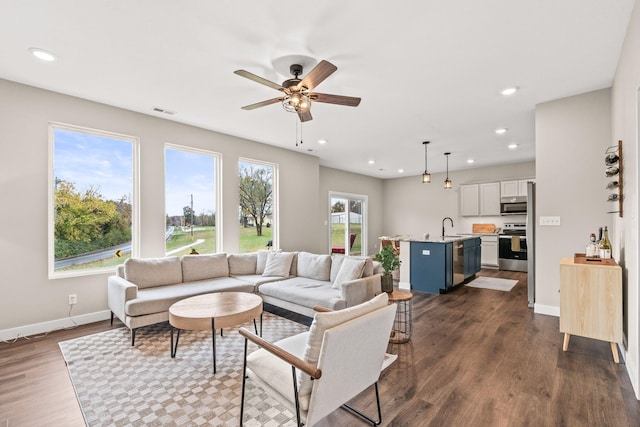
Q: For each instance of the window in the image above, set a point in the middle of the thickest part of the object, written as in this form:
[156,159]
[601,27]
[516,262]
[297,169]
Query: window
[347,216]
[258,201]
[92,200]
[191,196]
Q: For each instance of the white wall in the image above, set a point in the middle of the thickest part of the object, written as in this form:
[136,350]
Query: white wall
[351,183]
[625,106]
[29,298]
[572,135]
[414,208]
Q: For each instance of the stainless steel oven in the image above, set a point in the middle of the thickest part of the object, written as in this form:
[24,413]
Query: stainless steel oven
[512,248]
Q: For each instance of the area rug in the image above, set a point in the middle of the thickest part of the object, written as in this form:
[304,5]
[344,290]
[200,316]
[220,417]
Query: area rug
[120,385]
[494,283]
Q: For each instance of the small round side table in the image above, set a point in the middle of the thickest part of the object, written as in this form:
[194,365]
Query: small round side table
[403,323]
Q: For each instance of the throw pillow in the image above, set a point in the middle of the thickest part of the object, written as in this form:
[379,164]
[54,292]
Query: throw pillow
[322,322]
[351,269]
[242,263]
[150,272]
[314,266]
[278,264]
[202,267]
[262,260]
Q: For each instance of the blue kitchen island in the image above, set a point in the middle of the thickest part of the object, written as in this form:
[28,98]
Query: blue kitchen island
[437,266]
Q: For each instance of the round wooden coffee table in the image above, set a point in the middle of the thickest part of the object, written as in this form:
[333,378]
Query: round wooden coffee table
[216,310]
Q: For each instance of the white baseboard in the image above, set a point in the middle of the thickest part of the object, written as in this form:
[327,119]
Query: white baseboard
[632,371]
[53,325]
[549,310]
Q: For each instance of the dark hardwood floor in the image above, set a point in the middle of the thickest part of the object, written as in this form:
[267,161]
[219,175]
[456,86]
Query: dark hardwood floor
[477,358]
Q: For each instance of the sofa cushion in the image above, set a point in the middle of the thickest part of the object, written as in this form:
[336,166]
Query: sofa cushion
[278,264]
[314,266]
[257,279]
[261,261]
[242,263]
[158,299]
[304,292]
[322,322]
[150,272]
[200,267]
[350,269]
[336,263]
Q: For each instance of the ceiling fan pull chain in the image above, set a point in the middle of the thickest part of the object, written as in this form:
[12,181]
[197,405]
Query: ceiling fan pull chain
[298,123]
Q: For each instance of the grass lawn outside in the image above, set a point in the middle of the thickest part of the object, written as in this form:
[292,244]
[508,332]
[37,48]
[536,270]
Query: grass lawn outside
[337,237]
[249,242]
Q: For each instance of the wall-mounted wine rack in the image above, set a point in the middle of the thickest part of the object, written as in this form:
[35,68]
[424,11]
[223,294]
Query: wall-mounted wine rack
[613,162]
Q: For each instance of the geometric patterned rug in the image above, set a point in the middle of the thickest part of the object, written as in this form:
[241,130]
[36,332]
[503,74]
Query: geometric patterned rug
[120,385]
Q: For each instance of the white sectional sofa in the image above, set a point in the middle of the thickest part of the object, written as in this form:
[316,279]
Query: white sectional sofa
[142,290]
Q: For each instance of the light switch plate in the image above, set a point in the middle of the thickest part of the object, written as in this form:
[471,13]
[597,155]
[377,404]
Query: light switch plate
[550,220]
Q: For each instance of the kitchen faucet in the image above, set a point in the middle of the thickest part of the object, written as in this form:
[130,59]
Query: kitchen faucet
[443,220]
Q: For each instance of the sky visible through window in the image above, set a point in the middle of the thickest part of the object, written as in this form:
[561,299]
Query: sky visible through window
[188,173]
[88,160]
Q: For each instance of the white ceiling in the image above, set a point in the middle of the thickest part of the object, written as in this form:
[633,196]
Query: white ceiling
[425,69]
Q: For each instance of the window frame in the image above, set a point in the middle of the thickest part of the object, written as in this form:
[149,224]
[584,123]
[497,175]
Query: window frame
[135,196]
[275,215]
[217,173]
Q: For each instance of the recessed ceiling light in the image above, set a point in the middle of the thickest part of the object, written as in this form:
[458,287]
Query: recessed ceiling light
[322,141]
[400,170]
[470,160]
[42,54]
[512,146]
[509,91]
[501,131]
[371,162]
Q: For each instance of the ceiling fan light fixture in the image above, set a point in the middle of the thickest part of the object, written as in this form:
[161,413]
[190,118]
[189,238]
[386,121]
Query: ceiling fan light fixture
[296,103]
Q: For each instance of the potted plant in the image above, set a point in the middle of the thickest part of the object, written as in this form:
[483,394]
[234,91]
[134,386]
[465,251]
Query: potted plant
[389,260]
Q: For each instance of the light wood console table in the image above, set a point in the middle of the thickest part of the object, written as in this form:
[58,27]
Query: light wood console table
[591,302]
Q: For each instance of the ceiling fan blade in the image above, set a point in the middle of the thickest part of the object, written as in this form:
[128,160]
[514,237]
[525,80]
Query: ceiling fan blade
[258,79]
[349,101]
[262,104]
[316,76]
[305,117]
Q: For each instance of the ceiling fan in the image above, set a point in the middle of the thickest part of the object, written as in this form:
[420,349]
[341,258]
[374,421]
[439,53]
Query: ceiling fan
[297,93]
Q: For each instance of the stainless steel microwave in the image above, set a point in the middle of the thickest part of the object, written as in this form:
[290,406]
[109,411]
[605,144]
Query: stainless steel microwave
[513,205]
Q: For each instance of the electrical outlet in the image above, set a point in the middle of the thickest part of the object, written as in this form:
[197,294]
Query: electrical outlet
[549,220]
[73,299]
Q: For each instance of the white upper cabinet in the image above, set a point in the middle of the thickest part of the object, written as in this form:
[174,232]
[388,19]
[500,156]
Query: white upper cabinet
[480,199]
[469,200]
[490,199]
[514,188]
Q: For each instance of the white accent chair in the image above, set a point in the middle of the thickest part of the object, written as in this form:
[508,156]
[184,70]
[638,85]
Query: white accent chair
[316,372]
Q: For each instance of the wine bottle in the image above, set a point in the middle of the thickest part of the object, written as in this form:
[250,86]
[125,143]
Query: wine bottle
[612,197]
[605,245]
[611,159]
[612,184]
[612,171]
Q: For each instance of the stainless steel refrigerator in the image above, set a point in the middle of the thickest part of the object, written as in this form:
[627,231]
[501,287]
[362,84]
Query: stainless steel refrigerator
[531,242]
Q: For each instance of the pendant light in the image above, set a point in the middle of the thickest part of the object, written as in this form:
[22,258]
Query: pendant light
[426,176]
[447,182]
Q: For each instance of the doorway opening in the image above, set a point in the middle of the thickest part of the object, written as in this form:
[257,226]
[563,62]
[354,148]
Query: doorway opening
[347,220]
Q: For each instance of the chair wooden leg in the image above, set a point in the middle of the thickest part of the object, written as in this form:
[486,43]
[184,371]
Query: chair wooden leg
[133,337]
[363,416]
[112,318]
